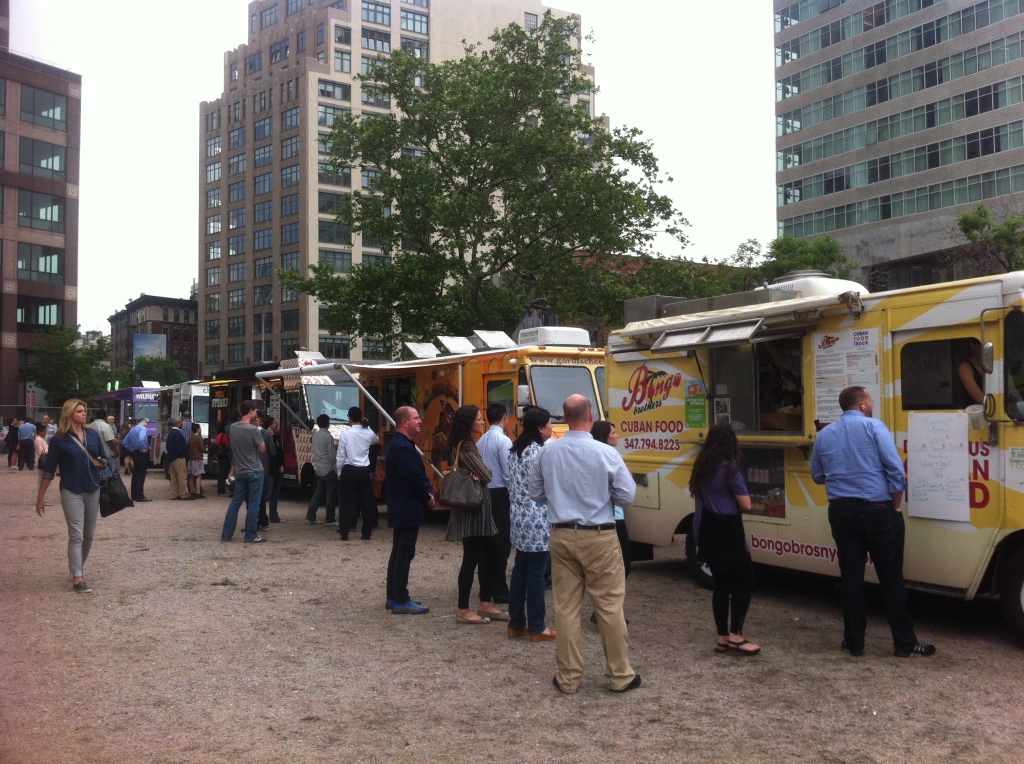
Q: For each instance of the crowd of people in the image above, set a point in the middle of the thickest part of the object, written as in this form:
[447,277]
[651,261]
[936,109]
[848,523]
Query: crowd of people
[558,503]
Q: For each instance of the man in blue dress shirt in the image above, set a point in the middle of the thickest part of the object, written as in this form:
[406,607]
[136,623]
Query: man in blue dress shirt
[856,460]
[136,443]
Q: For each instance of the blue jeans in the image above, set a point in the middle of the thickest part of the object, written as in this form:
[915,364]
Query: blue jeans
[526,591]
[248,486]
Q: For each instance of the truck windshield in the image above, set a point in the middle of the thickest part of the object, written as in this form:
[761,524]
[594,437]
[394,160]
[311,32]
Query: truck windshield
[333,400]
[201,408]
[553,384]
[146,409]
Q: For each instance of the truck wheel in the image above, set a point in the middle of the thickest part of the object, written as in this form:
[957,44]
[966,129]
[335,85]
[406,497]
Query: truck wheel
[1011,595]
[699,570]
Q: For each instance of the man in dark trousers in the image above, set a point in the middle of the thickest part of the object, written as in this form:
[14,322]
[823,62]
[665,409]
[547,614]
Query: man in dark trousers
[136,443]
[857,461]
[409,499]
[494,446]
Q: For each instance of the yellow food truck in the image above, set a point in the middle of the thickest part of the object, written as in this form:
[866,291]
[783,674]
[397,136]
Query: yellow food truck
[772,362]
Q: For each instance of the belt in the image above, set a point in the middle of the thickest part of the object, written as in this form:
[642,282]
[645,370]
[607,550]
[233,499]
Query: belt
[581,527]
[852,503]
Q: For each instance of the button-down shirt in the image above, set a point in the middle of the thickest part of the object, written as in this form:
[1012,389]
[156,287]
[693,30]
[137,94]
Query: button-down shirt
[580,479]
[77,474]
[354,446]
[855,458]
[26,431]
[324,454]
[494,446]
[137,438]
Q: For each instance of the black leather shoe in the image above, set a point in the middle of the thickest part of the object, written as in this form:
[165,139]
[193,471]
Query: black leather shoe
[917,651]
[631,686]
[855,653]
[142,500]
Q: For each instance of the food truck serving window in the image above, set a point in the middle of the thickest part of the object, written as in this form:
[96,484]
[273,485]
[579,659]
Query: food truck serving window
[930,374]
[758,386]
[1013,364]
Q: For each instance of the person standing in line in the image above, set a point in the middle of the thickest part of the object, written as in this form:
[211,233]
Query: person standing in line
[222,452]
[136,443]
[196,449]
[720,491]
[276,469]
[39,442]
[409,498]
[13,441]
[186,425]
[26,444]
[263,421]
[78,452]
[51,429]
[107,434]
[475,527]
[246,446]
[856,460]
[494,446]
[580,480]
[355,486]
[324,465]
[177,457]
[530,533]
[604,432]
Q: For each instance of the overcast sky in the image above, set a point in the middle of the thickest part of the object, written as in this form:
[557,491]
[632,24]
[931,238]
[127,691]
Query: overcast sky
[701,91]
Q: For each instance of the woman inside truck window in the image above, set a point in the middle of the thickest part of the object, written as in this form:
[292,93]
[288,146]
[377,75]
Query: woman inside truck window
[1013,364]
[720,490]
[971,376]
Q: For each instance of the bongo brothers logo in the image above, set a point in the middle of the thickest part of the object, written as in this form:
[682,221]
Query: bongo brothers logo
[649,389]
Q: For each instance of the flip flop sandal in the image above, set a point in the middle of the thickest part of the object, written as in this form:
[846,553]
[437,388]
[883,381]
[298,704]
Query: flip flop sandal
[720,648]
[738,647]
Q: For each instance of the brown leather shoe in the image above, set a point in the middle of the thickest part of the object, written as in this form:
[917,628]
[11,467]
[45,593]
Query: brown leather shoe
[514,632]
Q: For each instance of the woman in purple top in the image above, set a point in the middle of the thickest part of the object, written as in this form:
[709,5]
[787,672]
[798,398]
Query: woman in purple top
[720,492]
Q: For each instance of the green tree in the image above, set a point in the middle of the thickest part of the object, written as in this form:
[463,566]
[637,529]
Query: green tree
[66,371]
[151,368]
[484,190]
[998,247]
[751,266]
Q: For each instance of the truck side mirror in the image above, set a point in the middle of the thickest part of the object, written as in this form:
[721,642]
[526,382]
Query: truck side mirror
[523,393]
[987,353]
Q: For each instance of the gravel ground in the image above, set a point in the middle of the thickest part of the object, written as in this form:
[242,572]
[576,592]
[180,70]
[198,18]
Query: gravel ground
[190,650]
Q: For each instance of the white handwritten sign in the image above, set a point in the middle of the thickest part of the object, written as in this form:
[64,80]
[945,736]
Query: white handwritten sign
[937,466]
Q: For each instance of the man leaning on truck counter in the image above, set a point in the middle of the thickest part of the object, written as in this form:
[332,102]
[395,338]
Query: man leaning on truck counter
[863,475]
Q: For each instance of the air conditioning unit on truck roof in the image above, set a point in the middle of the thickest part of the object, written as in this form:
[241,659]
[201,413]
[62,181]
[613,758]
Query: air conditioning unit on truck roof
[563,336]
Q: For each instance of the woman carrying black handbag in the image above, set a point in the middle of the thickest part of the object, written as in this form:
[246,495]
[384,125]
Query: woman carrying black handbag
[721,494]
[78,451]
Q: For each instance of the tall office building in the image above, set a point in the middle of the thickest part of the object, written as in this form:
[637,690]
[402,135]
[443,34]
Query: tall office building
[894,118]
[40,138]
[269,194]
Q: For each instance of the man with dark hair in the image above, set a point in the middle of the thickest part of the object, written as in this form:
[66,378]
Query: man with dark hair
[324,457]
[409,500]
[581,479]
[856,459]
[136,443]
[355,486]
[494,446]
[177,456]
[26,444]
[247,469]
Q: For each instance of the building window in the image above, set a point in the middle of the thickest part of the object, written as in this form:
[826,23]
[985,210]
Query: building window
[263,350]
[293,6]
[376,349]
[261,294]
[213,146]
[39,263]
[331,232]
[213,250]
[262,129]
[263,267]
[373,96]
[290,320]
[279,51]
[264,184]
[263,239]
[236,191]
[213,172]
[290,147]
[213,276]
[253,64]
[41,107]
[334,176]
[236,245]
[236,352]
[212,354]
[212,198]
[288,347]
[288,295]
[376,40]
[236,138]
[319,34]
[330,204]
[290,261]
[377,13]
[290,234]
[336,90]
[415,22]
[370,258]
[415,48]
[342,35]
[300,42]
[289,205]
[335,347]
[236,164]
[213,302]
[236,299]
[290,119]
[290,176]
[420,3]
[264,155]
[213,329]
[269,17]
[236,326]
[236,218]
[263,212]
[35,314]
[371,178]
[343,61]
[213,223]
[530,20]
[234,71]
[341,262]
[326,115]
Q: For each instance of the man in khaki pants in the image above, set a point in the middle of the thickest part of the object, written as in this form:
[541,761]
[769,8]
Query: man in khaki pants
[580,479]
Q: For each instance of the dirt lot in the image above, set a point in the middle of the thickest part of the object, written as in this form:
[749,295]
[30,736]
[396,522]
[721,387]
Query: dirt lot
[190,650]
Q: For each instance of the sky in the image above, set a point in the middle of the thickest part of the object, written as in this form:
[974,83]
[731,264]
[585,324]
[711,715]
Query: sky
[702,93]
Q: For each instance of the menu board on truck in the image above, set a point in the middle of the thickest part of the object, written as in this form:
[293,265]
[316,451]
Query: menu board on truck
[843,359]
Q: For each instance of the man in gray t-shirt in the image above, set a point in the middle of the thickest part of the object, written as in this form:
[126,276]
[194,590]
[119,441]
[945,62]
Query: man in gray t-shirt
[325,452]
[246,446]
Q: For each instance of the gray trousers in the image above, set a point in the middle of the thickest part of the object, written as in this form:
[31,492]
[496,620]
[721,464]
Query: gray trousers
[80,512]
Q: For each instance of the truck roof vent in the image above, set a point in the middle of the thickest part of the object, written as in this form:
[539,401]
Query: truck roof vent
[565,336]
[484,340]
[456,345]
[422,349]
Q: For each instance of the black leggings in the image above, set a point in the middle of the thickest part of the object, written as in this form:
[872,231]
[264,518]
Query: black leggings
[735,580]
[481,552]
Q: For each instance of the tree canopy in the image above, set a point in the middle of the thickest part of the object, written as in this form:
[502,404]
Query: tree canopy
[166,371]
[999,247]
[750,266]
[66,371]
[491,187]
